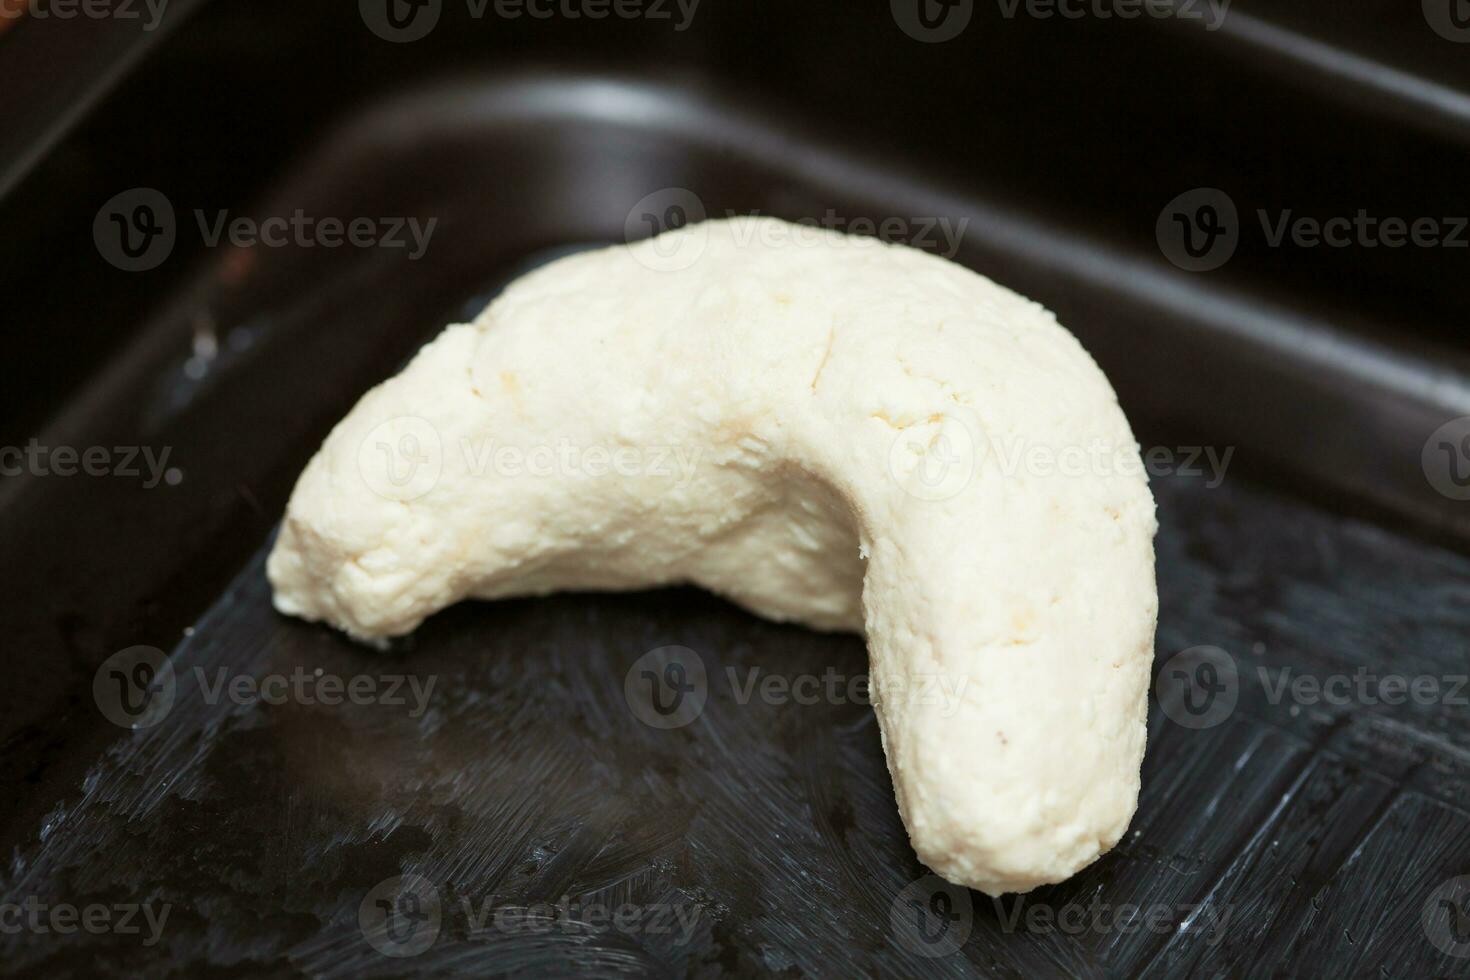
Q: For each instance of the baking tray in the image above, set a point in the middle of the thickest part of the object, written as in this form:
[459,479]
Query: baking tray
[1282,838]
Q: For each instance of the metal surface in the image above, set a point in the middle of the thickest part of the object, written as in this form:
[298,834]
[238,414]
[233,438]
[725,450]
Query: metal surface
[1320,831]
[58,62]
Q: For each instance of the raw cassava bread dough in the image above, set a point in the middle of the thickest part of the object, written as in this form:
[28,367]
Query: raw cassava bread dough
[826,429]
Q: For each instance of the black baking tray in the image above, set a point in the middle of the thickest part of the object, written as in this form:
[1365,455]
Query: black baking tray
[1332,834]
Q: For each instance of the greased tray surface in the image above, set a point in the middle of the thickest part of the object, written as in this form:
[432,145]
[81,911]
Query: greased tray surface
[503,764]
[1286,834]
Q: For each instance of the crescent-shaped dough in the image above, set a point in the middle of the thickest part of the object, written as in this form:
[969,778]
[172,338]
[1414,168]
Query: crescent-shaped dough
[826,429]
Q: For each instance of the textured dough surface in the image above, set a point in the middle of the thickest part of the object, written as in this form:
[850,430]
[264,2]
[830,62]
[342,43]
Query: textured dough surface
[828,430]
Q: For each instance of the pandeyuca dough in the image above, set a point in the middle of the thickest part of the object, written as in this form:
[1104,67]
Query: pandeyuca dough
[825,429]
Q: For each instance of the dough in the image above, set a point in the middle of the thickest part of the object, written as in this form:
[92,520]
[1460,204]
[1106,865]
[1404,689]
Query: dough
[825,429]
